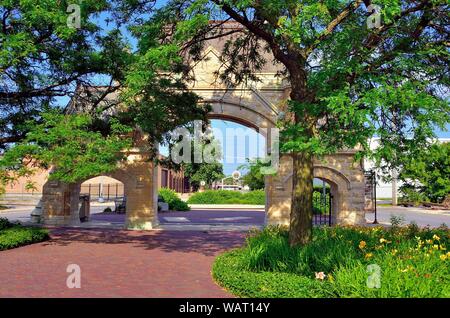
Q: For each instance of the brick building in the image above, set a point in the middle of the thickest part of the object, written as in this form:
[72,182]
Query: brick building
[100,186]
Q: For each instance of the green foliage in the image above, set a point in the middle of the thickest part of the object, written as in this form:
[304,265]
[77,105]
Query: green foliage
[230,275]
[413,262]
[42,58]
[4,223]
[209,169]
[14,235]
[257,197]
[208,172]
[156,93]
[69,143]
[253,176]
[352,84]
[175,203]
[321,205]
[426,176]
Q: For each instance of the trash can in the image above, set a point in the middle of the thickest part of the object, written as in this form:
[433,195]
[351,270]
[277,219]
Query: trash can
[85,207]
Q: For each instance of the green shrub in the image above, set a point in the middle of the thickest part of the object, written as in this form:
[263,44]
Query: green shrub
[410,195]
[256,197]
[414,262]
[175,203]
[17,235]
[4,223]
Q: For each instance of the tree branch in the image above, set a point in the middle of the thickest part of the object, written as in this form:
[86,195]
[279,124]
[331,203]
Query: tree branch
[351,7]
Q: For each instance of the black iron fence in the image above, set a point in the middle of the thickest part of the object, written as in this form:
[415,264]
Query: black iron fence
[322,206]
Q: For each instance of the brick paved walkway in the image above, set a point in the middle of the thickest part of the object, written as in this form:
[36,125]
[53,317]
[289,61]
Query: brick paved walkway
[117,264]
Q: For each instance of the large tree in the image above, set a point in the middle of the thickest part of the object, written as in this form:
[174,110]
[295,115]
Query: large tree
[47,49]
[350,79]
[45,61]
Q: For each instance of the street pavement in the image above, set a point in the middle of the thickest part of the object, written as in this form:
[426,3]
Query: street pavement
[239,219]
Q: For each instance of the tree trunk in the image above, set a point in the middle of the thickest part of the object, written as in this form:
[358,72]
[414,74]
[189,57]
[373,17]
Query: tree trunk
[300,231]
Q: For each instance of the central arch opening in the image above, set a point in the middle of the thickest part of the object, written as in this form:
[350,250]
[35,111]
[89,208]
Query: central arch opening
[228,196]
[106,197]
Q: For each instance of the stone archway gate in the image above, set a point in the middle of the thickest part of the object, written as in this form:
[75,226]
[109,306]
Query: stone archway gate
[256,105]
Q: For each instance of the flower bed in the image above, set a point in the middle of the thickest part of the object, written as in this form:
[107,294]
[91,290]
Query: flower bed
[340,262]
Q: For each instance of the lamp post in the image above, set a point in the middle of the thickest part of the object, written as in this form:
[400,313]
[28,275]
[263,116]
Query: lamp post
[371,177]
[374,189]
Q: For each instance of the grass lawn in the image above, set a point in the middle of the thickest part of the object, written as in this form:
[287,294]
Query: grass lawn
[15,235]
[257,197]
[340,262]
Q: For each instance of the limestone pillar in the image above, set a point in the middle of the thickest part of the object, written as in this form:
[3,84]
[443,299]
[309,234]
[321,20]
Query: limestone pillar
[60,203]
[141,191]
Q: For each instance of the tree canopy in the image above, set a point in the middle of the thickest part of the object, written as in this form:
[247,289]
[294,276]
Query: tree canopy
[71,145]
[426,176]
[42,58]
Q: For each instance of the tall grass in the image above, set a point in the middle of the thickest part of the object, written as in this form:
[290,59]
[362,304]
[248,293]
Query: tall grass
[413,262]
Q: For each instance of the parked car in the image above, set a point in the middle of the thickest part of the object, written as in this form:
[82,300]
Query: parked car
[229,187]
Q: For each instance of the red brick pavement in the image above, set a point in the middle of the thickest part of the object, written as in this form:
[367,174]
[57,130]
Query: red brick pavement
[116,263]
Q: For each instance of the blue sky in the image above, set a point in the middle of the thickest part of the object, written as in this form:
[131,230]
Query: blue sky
[234,156]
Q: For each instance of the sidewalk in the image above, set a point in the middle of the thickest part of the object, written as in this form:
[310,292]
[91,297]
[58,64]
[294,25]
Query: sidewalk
[226,207]
[118,264]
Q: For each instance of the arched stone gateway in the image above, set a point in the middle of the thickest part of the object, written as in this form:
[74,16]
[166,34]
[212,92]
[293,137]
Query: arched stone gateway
[345,177]
[60,201]
[256,105]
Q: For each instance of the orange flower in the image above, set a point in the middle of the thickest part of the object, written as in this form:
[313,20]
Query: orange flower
[362,244]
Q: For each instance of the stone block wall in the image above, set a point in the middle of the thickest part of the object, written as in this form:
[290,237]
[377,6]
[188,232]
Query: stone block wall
[345,176]
[60,201]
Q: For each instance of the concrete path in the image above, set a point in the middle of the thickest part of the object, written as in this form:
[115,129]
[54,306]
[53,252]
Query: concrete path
[117,264]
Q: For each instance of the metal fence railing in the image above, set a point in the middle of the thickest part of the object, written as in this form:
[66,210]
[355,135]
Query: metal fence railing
[322,206]
[105,191]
